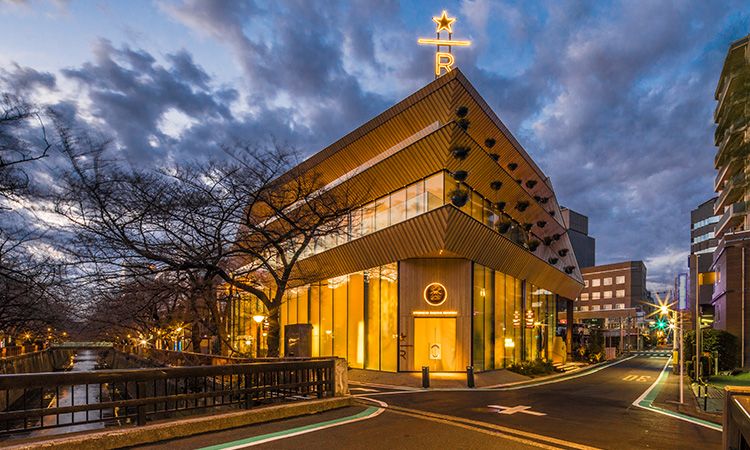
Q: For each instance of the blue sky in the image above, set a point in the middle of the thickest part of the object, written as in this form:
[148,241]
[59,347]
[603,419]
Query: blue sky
[613,99]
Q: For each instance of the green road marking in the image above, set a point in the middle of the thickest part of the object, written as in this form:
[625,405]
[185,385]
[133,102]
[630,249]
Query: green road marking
[646,401]
[371,411]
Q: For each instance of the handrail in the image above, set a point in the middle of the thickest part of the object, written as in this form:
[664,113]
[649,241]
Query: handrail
[33,401]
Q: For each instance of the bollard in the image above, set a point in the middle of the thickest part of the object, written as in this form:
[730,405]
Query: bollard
[425,377]
[470,376]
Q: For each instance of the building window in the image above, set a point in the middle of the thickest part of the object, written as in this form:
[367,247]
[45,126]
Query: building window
[607,306]
[620,306]
[595,282]
[596,295]
[586,283]
[620,293]
[584,296]
[575,308]
[608,281]
[607,294]
[620,279]
[595,307]
[584,308]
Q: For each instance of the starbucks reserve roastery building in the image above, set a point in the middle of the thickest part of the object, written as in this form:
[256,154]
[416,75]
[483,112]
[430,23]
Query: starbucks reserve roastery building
[458,257]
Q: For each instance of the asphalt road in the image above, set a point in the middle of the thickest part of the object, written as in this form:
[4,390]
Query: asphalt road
[588,411]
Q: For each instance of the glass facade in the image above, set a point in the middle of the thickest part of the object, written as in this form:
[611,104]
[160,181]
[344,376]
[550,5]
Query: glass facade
[507,325]
[353,316]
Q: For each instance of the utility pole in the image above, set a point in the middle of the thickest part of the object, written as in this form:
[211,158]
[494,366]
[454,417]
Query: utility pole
[682,362]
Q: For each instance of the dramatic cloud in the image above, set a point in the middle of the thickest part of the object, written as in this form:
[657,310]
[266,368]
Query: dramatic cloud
[613,99]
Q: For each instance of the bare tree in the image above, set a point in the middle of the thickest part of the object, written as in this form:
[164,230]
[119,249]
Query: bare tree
[243,223]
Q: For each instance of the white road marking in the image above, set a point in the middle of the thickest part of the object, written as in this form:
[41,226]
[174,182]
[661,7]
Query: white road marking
[515,409]
[363,389]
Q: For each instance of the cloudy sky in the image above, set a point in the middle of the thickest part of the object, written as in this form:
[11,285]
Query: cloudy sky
[613,99]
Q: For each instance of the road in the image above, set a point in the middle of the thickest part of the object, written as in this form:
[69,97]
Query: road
[591,410]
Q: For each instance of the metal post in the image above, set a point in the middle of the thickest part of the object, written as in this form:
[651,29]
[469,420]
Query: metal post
[682,363]
[697,319]
[470,376]
[425,377]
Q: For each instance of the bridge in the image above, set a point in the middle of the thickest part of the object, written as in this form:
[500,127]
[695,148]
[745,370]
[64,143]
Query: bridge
[87,386]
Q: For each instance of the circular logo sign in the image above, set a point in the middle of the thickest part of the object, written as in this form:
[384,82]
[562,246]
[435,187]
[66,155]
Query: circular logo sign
[435,294]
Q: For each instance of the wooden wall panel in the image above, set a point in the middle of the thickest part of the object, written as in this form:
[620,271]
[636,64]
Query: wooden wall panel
[414,276]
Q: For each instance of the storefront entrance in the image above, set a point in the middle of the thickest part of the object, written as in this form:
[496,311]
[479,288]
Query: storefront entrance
[435,343]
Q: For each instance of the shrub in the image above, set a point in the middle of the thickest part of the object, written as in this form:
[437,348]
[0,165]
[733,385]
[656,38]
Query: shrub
[531,368]
[720,341]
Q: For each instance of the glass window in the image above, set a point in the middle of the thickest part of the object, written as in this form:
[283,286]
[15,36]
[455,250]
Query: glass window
[415,199]
[326,320]
[389,317]
[620,293]
[584,308]
[368,219]
[372,319]
[382,208]
[595,282]
[607,294]
[355,224]
[338,286]
[398,206]
[608,281]
[490,218]
[595,295]
[586,283]
[595,307]
[607,306]
[620,279]
[620,306]
[302,306]
[356,321]
[478,314]
[315,317]
[291,300]
[477,206]
[585,296]
[433,186]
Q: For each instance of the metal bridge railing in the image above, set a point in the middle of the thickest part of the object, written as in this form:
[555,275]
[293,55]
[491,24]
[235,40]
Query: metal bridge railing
[118,397]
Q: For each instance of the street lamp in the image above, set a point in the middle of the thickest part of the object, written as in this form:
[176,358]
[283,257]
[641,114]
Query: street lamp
[258,318]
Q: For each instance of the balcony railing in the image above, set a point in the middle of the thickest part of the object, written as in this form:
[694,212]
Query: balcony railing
[731,192]
[732,216]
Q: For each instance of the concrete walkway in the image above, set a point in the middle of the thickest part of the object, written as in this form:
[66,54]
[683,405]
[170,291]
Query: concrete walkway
[442,380]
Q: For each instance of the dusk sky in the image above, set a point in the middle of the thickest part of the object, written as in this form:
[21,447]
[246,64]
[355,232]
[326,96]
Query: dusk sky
[614,100]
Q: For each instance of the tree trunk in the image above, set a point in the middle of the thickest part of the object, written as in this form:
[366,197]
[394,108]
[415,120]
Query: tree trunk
[195,337]
[274,332]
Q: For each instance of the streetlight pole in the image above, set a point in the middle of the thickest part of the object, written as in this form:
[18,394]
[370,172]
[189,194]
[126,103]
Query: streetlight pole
[682,362]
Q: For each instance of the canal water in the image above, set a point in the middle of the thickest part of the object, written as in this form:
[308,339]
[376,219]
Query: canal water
[84,360]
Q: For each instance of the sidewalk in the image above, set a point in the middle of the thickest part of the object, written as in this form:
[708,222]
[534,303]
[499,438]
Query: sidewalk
[669,398]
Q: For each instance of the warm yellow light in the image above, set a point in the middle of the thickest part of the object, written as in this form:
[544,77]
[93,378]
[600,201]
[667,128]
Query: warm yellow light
[179,329]
[664,309]
[258,318]
[446,42]
[435,313]
[444,22]
[509,343]
[144,342]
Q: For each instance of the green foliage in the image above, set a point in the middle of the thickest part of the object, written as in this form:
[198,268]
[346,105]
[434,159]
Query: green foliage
[536,367]
[719,341]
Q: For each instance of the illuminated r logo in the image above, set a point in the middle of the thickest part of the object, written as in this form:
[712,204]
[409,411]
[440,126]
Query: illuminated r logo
[443,60]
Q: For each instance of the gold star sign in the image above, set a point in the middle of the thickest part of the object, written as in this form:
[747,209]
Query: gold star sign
[444,22]
[443,60]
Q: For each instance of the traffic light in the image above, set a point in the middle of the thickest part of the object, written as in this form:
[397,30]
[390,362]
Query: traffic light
[661,324]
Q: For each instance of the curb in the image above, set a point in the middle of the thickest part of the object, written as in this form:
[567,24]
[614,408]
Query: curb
[166,430]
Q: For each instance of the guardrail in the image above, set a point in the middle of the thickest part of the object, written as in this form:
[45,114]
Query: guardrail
[118,397]
[736,423]
[7,352]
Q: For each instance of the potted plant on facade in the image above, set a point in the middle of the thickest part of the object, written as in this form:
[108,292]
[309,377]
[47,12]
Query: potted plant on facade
[496,185]
[500,206]
[460,152]
[462,111]
[489,142]
[512,166]
[562,252]
[460,175]
[530,184]
[553,260]
[533,245]
[569,269]
[522,205]
[541,223]
[503,226]
[459,197]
